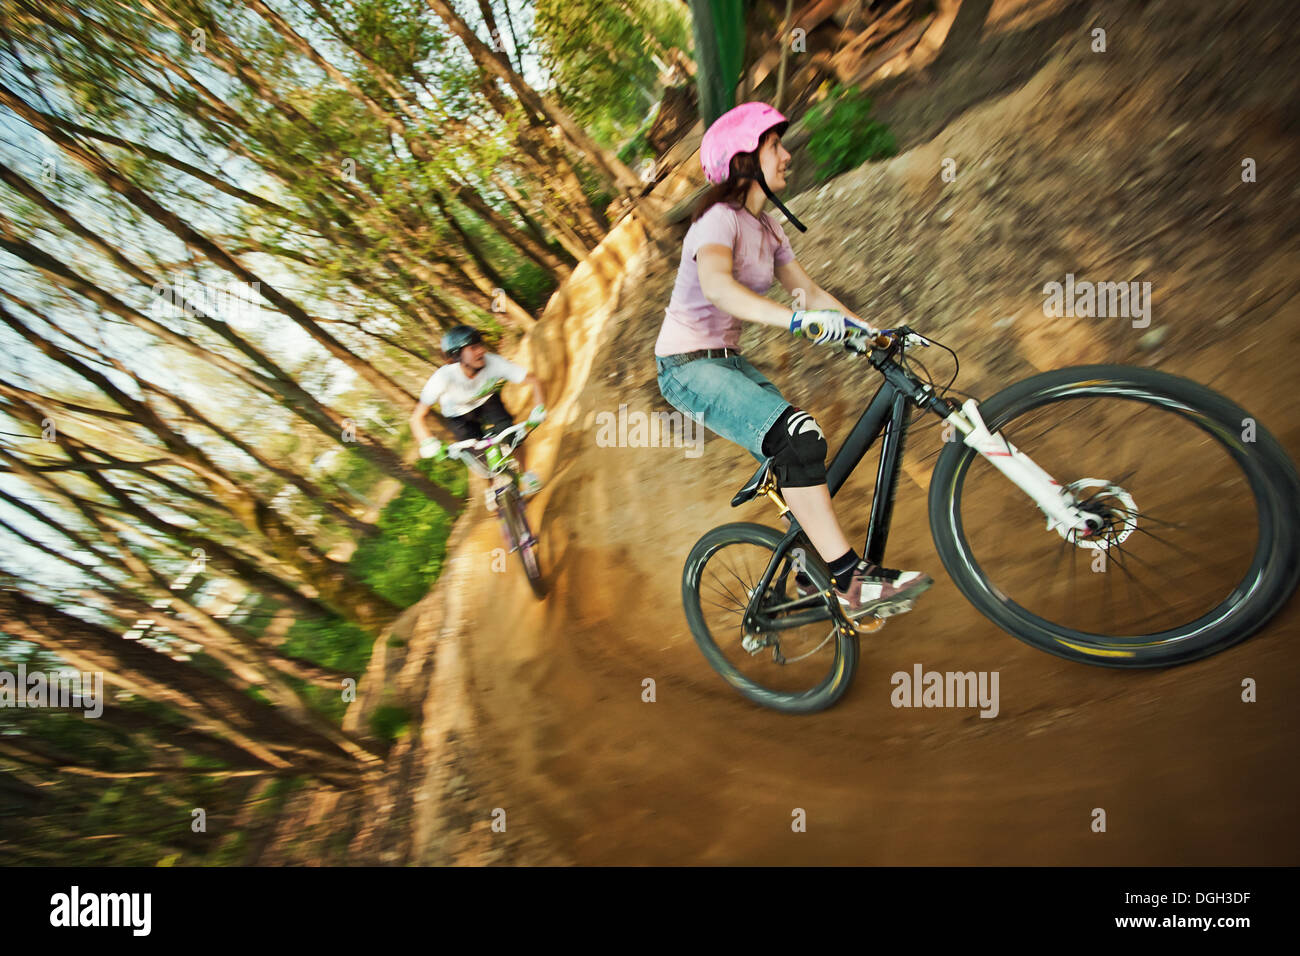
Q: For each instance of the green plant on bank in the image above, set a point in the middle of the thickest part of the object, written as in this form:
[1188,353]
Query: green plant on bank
[400,564]
[404,559]
[389,722]
[843,135]
[638,149]
[530,285]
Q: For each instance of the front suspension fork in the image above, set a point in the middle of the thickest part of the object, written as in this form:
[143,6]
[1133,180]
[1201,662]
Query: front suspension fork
[1063,516]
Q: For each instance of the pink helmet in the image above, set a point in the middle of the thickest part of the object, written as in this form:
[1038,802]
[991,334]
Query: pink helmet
[736,131]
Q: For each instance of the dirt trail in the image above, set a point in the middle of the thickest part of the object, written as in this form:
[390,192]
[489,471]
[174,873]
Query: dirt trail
[1114,168]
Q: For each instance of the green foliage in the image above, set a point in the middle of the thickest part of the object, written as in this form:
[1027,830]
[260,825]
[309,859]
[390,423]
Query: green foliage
[404,560]
[352,471]
[256,613]
[526,282]
[330,642]
[400,563]
[146,821]
[634,149]
[843,134]
[141,821]
[600,57]
[638,147]
[530,284]
[389,721]
[593,187]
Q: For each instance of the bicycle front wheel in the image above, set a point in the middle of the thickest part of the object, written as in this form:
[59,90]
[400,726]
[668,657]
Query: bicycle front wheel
[1198,509]
[797,661]
[522,539]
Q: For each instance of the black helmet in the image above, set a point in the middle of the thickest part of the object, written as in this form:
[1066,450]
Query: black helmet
[456,338]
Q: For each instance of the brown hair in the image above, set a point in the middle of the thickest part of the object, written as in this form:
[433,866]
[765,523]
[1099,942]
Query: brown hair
[742,172]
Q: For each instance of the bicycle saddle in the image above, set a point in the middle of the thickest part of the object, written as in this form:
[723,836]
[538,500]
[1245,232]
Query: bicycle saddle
[752,486]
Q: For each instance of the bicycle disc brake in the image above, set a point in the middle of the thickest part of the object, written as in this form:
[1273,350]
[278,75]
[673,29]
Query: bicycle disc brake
[1109,502]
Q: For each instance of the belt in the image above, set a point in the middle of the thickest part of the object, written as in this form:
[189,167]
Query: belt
[681,358]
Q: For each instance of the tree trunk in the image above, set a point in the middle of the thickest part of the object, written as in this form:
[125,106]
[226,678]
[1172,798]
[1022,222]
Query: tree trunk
[349,598]
[256,728]
[276,384]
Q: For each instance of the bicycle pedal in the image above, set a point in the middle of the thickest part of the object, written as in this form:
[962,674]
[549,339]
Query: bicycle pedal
[889,610]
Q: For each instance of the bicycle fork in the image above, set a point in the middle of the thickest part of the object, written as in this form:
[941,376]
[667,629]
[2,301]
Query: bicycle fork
[1063,516]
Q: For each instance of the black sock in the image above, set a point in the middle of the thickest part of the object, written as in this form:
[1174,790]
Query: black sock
[842,568]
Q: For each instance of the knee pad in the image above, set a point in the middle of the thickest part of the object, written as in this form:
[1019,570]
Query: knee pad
[797,448]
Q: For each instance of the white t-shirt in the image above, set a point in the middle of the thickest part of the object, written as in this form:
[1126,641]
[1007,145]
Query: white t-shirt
[460,395]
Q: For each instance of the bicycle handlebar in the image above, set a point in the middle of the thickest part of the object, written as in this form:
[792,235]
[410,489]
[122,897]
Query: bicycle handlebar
[885,339]
[514,434]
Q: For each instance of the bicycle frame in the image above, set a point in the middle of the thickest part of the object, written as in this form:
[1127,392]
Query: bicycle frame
[886,412]
[473,453]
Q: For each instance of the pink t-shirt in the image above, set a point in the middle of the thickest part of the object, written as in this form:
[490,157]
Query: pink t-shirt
[691,321]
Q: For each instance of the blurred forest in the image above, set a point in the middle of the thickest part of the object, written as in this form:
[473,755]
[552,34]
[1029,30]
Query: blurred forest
[232,232]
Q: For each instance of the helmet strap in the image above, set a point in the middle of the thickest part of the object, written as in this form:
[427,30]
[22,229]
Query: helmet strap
[779,205]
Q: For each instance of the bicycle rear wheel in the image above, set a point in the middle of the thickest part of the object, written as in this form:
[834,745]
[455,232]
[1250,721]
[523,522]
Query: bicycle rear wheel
[1199,509]
[800,663]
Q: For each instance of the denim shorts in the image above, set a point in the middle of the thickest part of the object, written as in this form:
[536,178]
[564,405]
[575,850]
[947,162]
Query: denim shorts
[733,398]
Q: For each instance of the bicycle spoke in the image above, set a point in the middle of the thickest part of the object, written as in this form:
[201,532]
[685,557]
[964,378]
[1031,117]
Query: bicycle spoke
[1109,602]
[725,588]
[726,596]
[731,610]
[1074,593]
[745,586]
[1178,548]
[1134,582]
[1144,515]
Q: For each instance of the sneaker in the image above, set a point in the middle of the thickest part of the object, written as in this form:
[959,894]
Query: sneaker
[529,483]
[881,592]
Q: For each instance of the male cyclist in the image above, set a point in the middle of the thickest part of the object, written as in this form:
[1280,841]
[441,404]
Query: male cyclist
[467,393]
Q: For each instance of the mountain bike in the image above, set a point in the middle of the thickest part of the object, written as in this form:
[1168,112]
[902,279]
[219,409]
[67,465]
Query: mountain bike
[490,457]
[1155,524]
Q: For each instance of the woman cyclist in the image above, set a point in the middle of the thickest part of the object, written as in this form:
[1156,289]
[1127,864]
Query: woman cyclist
[730,255]
[467,392]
